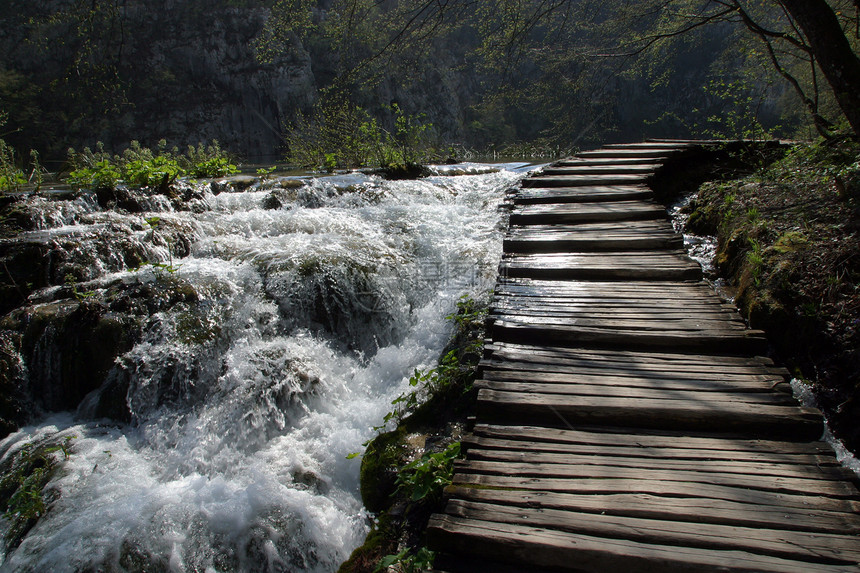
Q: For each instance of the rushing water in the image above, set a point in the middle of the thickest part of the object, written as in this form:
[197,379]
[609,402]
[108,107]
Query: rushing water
[309,316]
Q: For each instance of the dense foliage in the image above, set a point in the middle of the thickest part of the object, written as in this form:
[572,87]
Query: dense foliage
[788,239]
[266,73]
[143,167]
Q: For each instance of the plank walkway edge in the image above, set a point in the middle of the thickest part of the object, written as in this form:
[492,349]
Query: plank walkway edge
[626,417]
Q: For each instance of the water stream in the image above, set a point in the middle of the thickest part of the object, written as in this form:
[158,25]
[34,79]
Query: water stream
[313,302]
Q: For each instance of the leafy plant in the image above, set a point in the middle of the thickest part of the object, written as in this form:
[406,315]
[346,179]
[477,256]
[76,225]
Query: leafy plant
[79,295]
[755,258]
[426,477]
[22,499]
[11,176]
[339,134]
[142,166]
[407,561]
[208,161]
[266,172]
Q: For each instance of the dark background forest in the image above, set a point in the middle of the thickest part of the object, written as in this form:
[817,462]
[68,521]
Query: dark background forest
[557,74]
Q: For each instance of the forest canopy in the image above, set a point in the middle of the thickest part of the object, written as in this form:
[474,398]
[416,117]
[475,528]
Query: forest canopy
[482,72]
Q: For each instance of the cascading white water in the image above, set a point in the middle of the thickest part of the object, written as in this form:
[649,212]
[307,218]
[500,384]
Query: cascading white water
[307,321]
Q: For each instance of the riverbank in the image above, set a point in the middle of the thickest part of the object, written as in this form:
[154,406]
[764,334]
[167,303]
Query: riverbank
[403,471]
[788,246]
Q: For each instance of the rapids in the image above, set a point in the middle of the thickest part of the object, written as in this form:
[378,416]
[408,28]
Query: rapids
[313,301]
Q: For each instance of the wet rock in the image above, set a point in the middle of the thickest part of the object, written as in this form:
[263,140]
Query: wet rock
[69,348]
[275,200]
[232,184]
[24,267]
[382,458]
[15,405]
[120,198]
[110,400]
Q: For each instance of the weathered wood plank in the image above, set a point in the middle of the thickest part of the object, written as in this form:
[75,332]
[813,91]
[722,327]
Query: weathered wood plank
[561,241]
[660,290]
[823,463]
[594,380]
[617,153]
[582,194]
[746,342]
[576,161]
[626,321]
[824,513]
[644,441]
[567,213]
[601,267]
[662,360]
[803,546]
[569,370]
[608,169]
[795,485]
[712,396]
[812,467]
[555,409]
[582,180]
[837,521]
[547,548]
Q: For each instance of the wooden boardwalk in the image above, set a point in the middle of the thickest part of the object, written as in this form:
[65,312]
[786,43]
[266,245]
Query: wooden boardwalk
[627,420]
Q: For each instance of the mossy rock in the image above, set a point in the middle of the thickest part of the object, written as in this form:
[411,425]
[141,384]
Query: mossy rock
[378,543]
[701,222]
[383,456]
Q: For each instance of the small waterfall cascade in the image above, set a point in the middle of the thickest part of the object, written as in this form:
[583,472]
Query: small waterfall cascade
[258,336]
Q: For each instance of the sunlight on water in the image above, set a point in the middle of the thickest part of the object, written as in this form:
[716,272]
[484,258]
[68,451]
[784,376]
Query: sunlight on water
[307,320]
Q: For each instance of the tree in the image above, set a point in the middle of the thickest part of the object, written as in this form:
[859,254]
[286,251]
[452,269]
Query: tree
[832,50]
[802,39]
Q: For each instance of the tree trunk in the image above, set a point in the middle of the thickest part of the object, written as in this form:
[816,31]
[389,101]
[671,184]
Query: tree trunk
[838,62]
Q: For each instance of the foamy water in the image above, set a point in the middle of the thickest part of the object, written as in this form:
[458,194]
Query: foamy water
[309,320]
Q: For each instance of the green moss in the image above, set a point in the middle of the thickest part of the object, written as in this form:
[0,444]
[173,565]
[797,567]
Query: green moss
[787,241]
[381,541]
[384,455]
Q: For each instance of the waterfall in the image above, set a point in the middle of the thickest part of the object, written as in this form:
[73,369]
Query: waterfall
[281,321]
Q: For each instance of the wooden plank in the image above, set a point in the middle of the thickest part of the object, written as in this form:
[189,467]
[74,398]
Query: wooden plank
[658,289]
[608,169]
[641,441]
[636,454]
[824,514]
[576,161]
[641,321]
[582,194]
[555,409]
[624,355]
[795,485]
[766,463]
[616,153]
[712,396]
[746,342]
[605,314]
[596,379]
[655,286]
[662,226]
[566,213]
[530,352]
[801,546]
[615,235]
[581,180]
[671,145]
[841,520]
[602,267]
[546,548]
[565,370]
